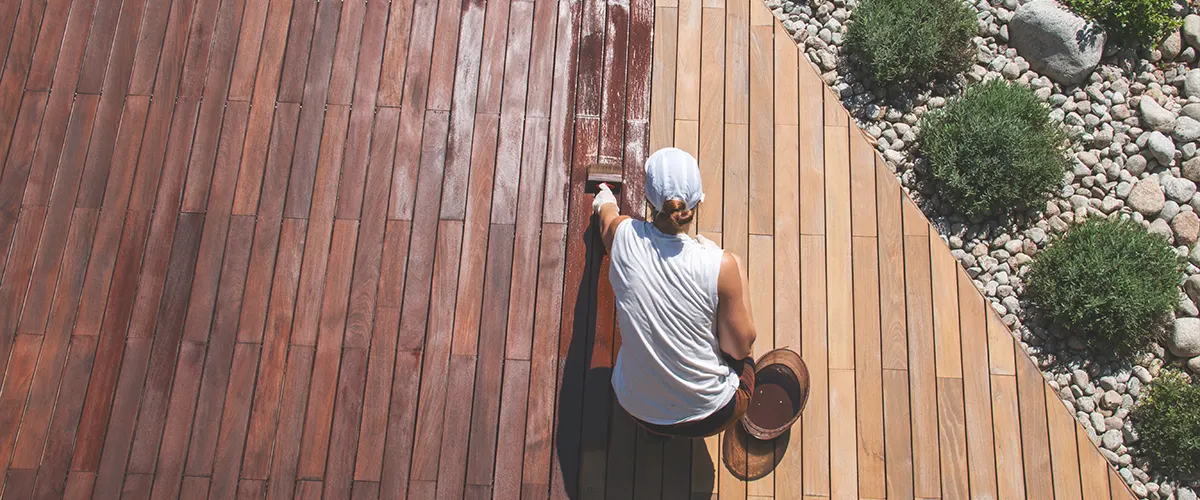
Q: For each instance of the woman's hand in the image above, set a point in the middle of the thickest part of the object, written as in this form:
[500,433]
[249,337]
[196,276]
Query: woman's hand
[604,197]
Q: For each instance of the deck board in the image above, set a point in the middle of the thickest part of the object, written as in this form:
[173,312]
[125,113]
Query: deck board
[293,249]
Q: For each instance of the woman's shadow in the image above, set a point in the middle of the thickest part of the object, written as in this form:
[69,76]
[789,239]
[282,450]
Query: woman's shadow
[601,452]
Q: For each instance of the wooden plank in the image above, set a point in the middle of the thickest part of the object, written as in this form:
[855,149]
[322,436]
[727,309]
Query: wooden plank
[812,154]
[1006,416]
[168,471]
[155,264]
[462,112]
[267,232]
[512,113]
[271,368]
[265,88]
[14,390]
[376,397]
[562,113]
[1093,470]
[165,353]
[475,235]
[921,366]
[365,490]
[216,224]
[16,276]
[65,67]
[687,60]
[621,467]
[118,434]
[343,440]
[137,487]
[737,62]
[400,417]
[194,488]
[250,38]
[736,215]
[44,390]
[199,45]
[433,392]
[952,438]
[787,83]
[1000,345]
[868,370]
[839,271]
[18,64]
[1035,433]
[413,118]
[251,489]
[301,30]
[663,79]
[761,274]
[286,452]
[835,114]
[16,167]
[862,183]
[364,286]
[19,483]
[345,55]
[897,428]
[915,223]
[712,117]
[977,399]
[543,360]
[235,418]
[79,484]
[417,286]
[485,407]
[104,378]
[892,307]
[318,423]
[1064,453]
[761,118]
[946,338]
[843,438]
[613,105]
[366,87]
[815,347]
[647,480]
[99,279]
[519,342]
[221,55]
[510,442]
[451,469]
[590,72]
[395,64]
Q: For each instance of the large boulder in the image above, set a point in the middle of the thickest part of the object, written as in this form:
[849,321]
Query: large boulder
[1185,340]
[1056,42]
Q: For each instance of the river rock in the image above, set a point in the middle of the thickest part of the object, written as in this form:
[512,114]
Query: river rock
[1185,339]
[1155,117]
[1147,197]
[1191,30]
[1056,42]
[1171,46]
[1162,147]
[1186,227]
[1186,129]
[1191,85]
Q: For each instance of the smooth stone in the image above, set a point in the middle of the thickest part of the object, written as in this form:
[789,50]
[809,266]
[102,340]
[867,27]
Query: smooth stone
[1056,42]
[1162,147]
[1162,228]
[1112,439]
[1171,46]
[1147,197]
[1186,227]
[1192,110]
[1191,169]
[1180,190]
[1185,338]
[1191,30]
[1155,117]
[1136,164]
[1186,129]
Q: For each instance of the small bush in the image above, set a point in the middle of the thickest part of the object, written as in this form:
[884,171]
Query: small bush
[904,42]
[993,150]
[1168,424]
[1111,282]
[1130,22]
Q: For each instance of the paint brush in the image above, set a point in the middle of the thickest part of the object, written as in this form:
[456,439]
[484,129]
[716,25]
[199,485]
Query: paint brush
[604,173]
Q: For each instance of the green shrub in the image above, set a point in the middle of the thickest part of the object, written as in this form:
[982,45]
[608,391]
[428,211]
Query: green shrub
[904,42]
[1168,424]
[993,150]
[1130,22]
[1111,282]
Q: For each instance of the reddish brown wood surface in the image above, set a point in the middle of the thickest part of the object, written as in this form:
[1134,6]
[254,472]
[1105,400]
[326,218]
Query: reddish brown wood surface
[341,249]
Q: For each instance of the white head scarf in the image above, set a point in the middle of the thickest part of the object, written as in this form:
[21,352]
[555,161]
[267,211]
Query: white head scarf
[673,174]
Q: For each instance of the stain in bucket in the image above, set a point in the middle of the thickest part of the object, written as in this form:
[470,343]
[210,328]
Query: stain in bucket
[776,397]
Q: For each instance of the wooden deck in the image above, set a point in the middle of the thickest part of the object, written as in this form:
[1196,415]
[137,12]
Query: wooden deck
[340,249]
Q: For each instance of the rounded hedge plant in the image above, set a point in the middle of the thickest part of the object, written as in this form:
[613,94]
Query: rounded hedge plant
[1168,425]
[1130,22]
[993,150]
[1111,282]
[909,42]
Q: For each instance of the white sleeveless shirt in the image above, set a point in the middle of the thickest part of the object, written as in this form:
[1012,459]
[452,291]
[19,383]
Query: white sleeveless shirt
[669,369]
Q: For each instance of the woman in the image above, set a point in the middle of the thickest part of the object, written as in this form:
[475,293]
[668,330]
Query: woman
[684,368]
